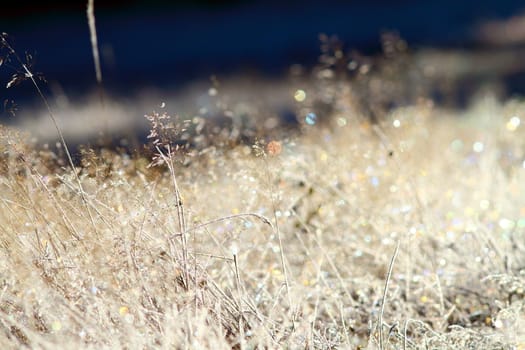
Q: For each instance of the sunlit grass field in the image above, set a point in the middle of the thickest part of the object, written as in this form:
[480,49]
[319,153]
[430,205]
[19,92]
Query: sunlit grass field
[404,231]
[285,244]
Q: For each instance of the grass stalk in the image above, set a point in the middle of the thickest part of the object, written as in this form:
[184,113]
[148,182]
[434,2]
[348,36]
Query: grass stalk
[29,75]
[277,228]
[383,300]
[94,48]
[168,159]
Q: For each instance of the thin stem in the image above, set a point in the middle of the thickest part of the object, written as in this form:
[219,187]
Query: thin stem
[224,218]
[278,231]
[168,159]
[30,75]
[94,47]
[241,315]
[383,300]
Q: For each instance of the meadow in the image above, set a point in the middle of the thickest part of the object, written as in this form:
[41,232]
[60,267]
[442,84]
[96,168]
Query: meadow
[365,225]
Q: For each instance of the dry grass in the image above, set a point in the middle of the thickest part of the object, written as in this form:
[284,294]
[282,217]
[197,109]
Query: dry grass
[404,233]
[339,197]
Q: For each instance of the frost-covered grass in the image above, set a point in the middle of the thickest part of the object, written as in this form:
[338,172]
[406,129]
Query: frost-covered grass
[364,225]
[283,245]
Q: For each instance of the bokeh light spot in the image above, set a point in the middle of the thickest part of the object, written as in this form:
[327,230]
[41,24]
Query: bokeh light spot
[300,95]
[311,118]
[513,123]
[478,147]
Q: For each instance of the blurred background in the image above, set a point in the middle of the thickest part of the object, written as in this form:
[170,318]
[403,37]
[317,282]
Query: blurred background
[159,48]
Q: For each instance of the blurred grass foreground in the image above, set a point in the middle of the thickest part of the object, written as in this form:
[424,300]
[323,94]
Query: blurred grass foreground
[378,216]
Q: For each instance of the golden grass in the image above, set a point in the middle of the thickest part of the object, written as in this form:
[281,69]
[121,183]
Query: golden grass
[286,246]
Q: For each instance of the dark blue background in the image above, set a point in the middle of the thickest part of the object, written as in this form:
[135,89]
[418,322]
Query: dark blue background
[165,44]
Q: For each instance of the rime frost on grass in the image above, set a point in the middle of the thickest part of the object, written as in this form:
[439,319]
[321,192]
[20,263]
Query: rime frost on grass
[449,188]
